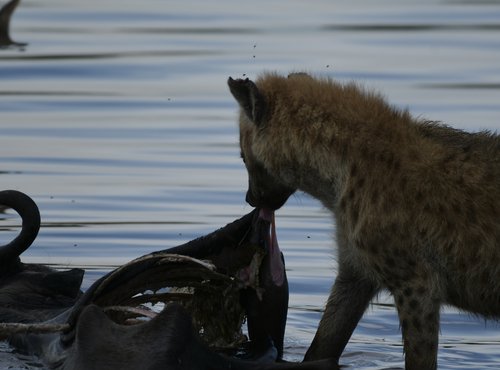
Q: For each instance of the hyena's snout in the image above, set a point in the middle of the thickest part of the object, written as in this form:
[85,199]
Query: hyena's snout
[250,199]
[269,202]
[269,195]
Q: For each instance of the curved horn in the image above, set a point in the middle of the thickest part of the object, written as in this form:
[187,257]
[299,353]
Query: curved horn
[5,15]
[30,215]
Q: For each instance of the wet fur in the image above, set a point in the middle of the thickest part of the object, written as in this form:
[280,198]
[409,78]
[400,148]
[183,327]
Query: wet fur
[416,203]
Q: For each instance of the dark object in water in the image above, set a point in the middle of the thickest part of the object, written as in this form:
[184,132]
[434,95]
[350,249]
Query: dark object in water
[5,16]
[37,294]
[166,342]
[231,250]
[96,334]
[31,292]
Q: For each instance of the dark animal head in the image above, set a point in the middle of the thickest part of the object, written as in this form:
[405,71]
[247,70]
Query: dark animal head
[265,189]
[170,336]
[233,250]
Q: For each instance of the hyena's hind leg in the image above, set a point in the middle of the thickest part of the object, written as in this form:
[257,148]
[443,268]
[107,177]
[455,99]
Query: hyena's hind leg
[346,304]
[418,309]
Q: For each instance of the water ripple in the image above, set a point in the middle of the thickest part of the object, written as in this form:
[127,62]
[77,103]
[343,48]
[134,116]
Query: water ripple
[405,27]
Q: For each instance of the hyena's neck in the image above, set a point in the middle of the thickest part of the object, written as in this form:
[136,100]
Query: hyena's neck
[323,153]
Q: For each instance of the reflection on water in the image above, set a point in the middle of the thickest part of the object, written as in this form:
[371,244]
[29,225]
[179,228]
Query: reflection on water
[414,27]
[116,119]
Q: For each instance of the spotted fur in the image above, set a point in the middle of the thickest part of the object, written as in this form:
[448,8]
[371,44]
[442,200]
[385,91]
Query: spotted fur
[416,203]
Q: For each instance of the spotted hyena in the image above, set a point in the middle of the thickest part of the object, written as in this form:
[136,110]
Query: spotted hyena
[416,203]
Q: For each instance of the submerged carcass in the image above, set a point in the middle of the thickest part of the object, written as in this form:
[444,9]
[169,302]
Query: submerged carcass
[207,287]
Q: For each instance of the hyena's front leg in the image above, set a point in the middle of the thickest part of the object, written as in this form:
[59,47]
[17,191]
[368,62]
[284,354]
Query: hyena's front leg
[418,310]
[347,302]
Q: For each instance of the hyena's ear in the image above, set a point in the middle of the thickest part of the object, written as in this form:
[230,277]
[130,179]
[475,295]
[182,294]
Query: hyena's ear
[249,98]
